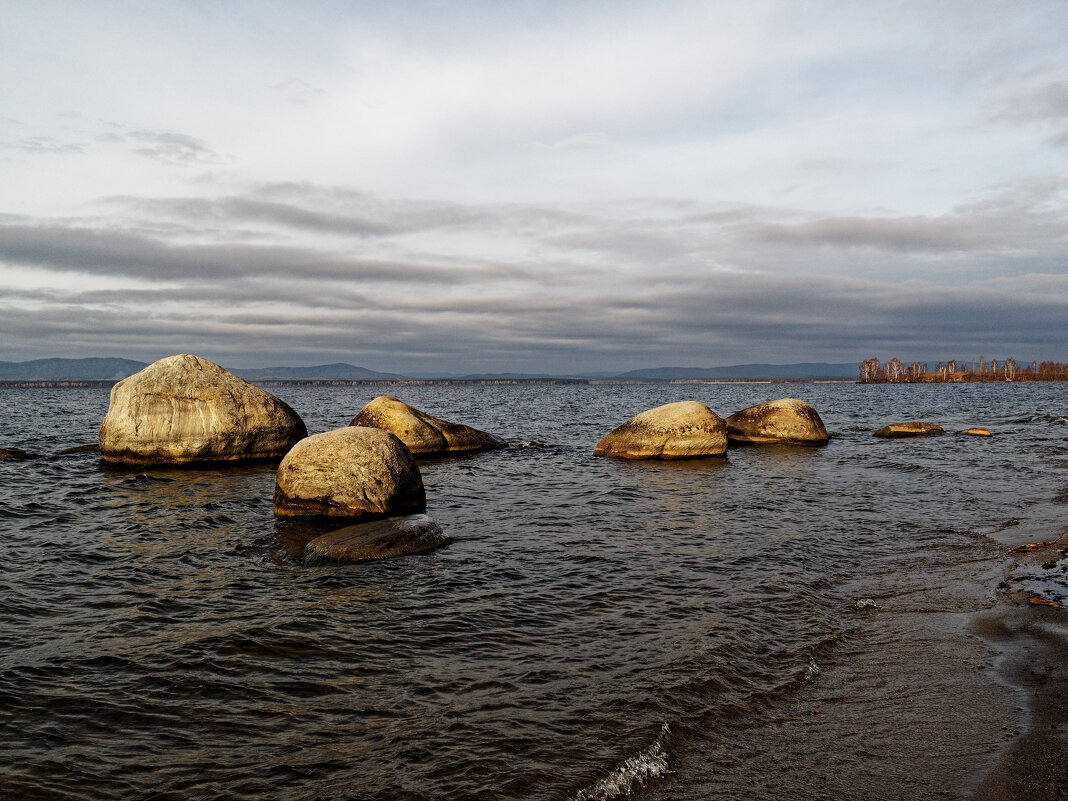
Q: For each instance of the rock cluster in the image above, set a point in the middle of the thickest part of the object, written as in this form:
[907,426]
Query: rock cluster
[684,430]
[381,539]
[787,420]
[421,432]
[352,472]
[184,409]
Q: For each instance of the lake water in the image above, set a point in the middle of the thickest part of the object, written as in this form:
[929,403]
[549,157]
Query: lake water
[787,621]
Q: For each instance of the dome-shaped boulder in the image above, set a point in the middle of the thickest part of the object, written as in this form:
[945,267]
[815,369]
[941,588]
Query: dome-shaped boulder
[913,429]
[422,433]
[684,430]
[351,472]
[380,539]
[184,409]
[787,420]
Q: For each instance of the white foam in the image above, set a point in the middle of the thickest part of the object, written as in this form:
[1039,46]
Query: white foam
[632,773]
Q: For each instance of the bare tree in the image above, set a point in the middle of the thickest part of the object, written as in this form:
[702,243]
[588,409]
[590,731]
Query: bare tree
[1010,369]
[894,368]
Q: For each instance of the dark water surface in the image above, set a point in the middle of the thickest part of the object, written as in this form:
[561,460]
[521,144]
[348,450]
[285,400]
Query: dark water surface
[594,623]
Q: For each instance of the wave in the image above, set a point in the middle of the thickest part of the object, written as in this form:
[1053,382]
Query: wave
[645,766]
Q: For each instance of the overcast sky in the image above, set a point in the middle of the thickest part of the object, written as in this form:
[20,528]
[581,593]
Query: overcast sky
[534,186]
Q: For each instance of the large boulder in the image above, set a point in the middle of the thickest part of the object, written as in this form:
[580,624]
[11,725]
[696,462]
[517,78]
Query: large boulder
[684,430]
[913,429]
[352,472]
[786,420]
[421,432]
[184,409]
[380,539]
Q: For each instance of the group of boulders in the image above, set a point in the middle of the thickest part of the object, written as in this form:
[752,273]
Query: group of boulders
[688,430]
[185,410]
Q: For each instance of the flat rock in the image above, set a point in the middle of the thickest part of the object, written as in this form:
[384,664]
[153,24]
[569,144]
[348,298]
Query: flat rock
[976,432]
[184,409]
[421,432]
[684,430]
[380,539]
[352,472]
[15,454]
[787,420]
[914,429]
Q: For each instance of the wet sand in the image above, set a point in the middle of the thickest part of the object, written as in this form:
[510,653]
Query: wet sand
[953,686]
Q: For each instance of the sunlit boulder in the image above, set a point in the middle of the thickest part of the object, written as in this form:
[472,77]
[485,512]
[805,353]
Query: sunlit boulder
[422,433]
[352,472]
[787,420]
[914,429]
[684,430]
[184,409]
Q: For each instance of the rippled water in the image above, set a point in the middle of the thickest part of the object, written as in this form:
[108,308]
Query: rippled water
[595,628]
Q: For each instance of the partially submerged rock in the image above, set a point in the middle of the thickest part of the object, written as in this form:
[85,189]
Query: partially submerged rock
[684,430]
[421,432]
[184,409]
[352,472]
[787,420]
[381,539]
[914,429]
[976,432]
[15,454]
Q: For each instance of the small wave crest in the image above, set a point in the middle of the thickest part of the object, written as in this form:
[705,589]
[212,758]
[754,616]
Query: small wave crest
[634,772]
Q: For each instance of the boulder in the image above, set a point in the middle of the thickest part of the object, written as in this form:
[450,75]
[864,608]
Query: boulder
[421,432]
[184,409]
[352,472]
[786,420]
[684,430]
[897,430]
[14,453]
[976,432]
[381,539]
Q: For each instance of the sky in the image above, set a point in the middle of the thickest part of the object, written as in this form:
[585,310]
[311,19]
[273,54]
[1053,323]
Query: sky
[550,187]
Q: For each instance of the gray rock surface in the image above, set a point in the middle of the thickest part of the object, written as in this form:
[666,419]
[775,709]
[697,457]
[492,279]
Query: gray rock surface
[352,472]
[380,539]
[913,429]
[421,432]
[184,409]
[787,420]
[684,430]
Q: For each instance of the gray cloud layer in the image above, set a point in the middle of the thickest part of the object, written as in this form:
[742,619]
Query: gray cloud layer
[590,287]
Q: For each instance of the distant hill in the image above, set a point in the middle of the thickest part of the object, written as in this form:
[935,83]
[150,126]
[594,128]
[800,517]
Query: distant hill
[750,371]
[92,369]
[322,372]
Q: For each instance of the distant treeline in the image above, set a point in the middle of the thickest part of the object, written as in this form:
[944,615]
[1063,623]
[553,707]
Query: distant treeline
[872,371]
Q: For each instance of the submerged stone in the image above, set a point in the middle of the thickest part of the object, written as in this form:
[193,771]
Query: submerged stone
[381,539]
[914,429]
[684,430]
[79,449]
[354,472]
[787,420]
[15,454]
[184,409]
[976,432]
[423,433]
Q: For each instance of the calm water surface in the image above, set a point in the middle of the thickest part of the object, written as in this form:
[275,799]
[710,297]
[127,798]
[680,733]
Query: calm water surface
[594,623]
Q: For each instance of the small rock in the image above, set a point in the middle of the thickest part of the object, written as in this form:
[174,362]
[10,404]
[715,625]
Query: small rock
[787,420]
[976,432]
[381,539]
[1036,600]
[684,430]
[421,432]
[915,429]
[354,472]
[866,603]
[15,453]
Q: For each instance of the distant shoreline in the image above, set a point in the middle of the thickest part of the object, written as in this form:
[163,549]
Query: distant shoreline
[65,383]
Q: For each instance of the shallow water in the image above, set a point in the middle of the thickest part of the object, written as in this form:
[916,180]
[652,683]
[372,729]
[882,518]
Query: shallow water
[597,627]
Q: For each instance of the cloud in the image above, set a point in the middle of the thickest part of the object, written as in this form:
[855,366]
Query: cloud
[173,148]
